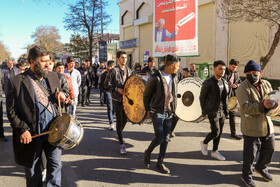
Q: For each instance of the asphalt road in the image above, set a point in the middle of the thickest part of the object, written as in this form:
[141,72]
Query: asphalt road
[97,161]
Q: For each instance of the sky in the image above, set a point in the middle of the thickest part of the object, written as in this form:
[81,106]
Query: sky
[20,18]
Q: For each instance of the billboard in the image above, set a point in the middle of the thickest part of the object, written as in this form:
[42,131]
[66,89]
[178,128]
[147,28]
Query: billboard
[102,51]
[175,28]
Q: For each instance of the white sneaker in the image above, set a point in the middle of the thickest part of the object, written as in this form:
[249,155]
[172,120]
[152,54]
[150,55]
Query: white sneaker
[123,149]
[44,175]
[217,155]
[111,128]
[204,148]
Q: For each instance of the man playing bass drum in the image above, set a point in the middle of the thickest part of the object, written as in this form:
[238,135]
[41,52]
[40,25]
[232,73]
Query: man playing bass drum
[114,82]
[160,103]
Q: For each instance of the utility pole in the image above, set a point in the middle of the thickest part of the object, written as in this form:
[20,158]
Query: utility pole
[101,20]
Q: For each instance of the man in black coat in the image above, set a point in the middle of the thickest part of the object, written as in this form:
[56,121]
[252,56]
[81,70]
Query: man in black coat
[150,69]
[160,103]
[213,100]
[92,77]
[31,107]
[85,84]
[114,82]
[233,79]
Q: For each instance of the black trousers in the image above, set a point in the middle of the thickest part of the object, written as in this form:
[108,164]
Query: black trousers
[121,119]
[232,122]
[216,124]
[1,119]
[175,120]
[253,145]
[88,93]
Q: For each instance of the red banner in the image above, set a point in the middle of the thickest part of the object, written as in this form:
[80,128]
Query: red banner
[175,27]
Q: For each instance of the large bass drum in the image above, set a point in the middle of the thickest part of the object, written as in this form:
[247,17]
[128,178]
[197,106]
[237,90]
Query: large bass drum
[188,104]
[133,100]
[66,133]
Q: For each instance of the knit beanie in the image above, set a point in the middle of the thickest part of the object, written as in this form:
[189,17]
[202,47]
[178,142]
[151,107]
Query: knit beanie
[252,66]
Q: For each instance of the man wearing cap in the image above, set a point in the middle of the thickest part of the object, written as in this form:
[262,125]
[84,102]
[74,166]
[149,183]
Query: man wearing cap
[256,126]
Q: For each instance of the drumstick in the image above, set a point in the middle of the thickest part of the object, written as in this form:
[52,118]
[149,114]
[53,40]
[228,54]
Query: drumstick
[230,91]
[48,132]
[130,101]
[59,106]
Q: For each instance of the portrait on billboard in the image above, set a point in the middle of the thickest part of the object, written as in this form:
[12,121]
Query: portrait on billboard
[175,27]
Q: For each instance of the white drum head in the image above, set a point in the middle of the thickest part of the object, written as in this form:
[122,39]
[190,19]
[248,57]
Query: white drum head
[188,104]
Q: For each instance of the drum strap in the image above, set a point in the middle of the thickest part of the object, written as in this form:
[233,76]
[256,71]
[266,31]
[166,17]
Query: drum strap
[42,94]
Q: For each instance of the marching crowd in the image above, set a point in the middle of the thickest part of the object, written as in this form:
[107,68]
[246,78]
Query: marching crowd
[32,104]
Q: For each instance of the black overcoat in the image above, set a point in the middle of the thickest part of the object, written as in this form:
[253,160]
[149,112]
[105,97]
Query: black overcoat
[21,112]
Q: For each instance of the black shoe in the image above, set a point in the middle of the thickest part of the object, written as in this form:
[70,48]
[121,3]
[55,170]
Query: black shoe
[264,174]
[147,158]
[162,167]
[83,105]
[235,137]
[102,104]
[87,103]
[248,181]
[3,139]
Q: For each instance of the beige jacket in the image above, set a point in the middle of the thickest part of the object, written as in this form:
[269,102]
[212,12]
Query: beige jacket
[254,121]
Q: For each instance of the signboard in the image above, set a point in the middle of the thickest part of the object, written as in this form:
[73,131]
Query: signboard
[175,28]
[128,43]
[146,56]
[102,51]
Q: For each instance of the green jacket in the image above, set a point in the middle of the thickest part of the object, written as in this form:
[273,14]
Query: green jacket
[254,121]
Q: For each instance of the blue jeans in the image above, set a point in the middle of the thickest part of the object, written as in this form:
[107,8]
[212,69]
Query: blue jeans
[54,165]
[72,108]
[162,126]
[102,94]
[110,108]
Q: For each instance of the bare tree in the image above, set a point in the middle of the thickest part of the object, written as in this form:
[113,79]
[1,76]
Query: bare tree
[266,11]
[79,45]
[4,52]
[48,37]
[85,17]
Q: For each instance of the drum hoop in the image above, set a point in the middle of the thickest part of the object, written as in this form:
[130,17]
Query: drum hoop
[122,100]
[71,118]
[236,104]
[65,136]
[78,141]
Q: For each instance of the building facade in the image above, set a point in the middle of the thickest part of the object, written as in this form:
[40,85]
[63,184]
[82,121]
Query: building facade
[217,40]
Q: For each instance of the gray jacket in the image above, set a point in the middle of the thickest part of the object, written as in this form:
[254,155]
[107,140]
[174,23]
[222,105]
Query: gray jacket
[75,80]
